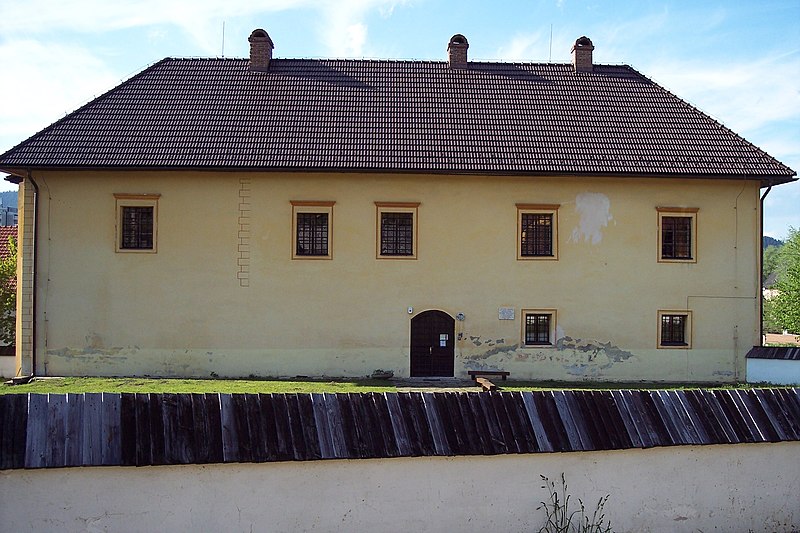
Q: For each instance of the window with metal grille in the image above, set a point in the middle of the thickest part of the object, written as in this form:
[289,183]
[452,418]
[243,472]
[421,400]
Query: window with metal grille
[537,329]
[673,330]
[137,228]
[536,235]
[397,233]
[312,234]
[676,237]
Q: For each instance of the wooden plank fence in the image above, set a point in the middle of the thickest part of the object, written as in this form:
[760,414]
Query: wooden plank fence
[94,429]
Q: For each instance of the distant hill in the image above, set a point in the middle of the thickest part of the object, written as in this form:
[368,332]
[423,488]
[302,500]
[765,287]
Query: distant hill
[9,198]
[769,241]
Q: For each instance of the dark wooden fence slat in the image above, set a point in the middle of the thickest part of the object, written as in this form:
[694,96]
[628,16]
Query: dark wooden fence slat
[296,427]
[399,429]
[269,430]
[73,430]
[381,409]
[13,431]
[323,427]
[230,443]
[309,424]
[36,442]
[334,415]
[128,428]
[497,440]
[201,429]
[169,421]
[484,437]
[214,422]
[435,423]
[92,429]
[144,433]
[283,429]
[542,440]
[156,410]
[110,424]
[56,420]
[451,436]
[518,427]
[255,420]
[183,451]
[239,404]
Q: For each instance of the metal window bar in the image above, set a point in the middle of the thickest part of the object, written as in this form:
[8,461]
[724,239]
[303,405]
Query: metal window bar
[397,234]
[673,330]
[537,329]
[137,228]
[312,234]
[676,237]
[537,234]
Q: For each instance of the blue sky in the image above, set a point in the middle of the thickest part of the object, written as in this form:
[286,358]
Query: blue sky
[738,61]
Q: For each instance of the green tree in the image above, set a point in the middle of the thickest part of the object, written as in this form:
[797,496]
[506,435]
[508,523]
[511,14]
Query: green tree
[771,262]
[8,293]
[786,304]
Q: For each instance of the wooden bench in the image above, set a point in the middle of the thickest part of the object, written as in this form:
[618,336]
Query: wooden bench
[485,384]
[475,373]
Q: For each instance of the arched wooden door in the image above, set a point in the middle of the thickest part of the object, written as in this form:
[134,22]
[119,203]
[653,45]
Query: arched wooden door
[432,344]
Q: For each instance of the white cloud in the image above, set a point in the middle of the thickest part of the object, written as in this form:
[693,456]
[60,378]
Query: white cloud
[48,81]
[524,47]
[745,96]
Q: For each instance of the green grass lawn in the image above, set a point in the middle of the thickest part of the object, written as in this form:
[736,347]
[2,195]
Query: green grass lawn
[146,385]
[265,386]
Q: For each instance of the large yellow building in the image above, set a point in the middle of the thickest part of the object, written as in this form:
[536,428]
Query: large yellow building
[278,217]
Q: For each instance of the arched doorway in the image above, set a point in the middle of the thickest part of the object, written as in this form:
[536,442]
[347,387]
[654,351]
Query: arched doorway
[432,344]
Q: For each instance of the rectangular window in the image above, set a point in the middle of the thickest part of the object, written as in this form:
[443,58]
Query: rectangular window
[397,230]
[677,230]
[311,230]
[539,327]
[537,231]
[137,215]
[674,329]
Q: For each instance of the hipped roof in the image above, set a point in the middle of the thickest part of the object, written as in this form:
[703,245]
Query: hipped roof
[395,116]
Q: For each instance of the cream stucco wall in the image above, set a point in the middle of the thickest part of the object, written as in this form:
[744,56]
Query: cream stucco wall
[750,487]
[186,311]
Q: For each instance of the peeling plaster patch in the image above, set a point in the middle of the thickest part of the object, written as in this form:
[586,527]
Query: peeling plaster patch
[594,348]
[595,211]
[723,373]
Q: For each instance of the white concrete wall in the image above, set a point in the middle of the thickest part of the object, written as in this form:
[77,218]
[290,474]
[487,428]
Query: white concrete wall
[750,487]
[775,371]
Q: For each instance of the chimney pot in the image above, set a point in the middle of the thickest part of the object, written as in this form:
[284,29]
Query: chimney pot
[457,51]
[582,55]
[260,50]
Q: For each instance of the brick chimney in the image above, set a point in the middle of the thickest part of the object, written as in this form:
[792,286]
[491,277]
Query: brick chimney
[582,54]
[260,50]
[457,51]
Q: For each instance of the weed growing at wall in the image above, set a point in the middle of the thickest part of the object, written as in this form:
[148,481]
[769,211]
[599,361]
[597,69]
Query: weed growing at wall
[562,519]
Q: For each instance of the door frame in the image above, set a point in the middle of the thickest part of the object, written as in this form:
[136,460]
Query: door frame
[442,358]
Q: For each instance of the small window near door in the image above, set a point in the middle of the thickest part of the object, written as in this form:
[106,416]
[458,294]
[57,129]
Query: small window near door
[396,230]
[539,327]
[137,217]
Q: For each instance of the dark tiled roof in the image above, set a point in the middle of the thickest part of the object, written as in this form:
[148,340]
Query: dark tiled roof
[154,429]
[788,353]
[395,116]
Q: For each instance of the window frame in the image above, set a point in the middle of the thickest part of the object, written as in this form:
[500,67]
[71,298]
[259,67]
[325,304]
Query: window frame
[312,207]
[396,207]
[123,200]
[551,334]
[538,209]
[687,329]
[677,212]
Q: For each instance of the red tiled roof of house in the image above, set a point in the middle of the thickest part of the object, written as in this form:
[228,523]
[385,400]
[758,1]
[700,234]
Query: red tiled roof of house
[5,233]
[395,116]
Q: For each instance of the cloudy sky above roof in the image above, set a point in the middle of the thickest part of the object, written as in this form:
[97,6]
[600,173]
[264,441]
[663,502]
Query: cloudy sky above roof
[737,61]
